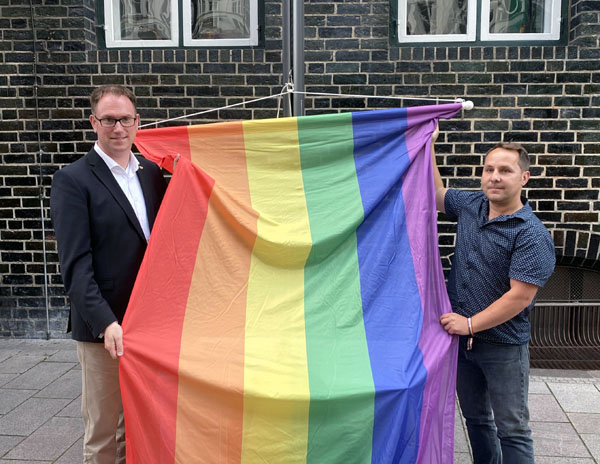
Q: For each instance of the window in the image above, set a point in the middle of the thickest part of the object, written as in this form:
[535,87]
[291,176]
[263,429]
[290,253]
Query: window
[437,20]
[156,23]
[520,19]
[473,20]
[141,23]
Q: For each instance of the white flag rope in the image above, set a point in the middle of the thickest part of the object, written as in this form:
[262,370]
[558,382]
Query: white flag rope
[289,89]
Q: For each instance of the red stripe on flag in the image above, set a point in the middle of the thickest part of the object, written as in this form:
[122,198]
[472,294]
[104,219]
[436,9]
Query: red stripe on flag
[163,145]
[149,368]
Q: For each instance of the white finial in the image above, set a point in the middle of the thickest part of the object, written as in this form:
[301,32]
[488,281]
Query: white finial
[467,105]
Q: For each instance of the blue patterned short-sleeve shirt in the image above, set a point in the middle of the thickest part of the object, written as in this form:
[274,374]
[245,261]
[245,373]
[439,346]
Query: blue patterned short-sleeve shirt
[489,253]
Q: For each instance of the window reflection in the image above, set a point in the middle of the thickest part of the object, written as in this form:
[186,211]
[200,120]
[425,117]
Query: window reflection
[517,16]
[220,19]
[426,17]
[145,19]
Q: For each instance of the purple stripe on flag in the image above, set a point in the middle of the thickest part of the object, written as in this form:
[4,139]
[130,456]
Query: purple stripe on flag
[438,348]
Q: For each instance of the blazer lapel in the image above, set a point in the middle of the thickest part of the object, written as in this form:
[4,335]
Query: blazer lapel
[101,171]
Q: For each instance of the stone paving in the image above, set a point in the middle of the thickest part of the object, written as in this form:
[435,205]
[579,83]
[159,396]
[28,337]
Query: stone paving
[40,419]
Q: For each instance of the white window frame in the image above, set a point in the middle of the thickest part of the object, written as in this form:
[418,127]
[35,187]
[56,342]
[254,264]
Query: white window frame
[551,20]
[468,37]
[112,26]
[188,41]
[112,29]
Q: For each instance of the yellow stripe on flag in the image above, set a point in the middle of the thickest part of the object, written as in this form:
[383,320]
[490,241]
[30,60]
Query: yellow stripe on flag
[276,390]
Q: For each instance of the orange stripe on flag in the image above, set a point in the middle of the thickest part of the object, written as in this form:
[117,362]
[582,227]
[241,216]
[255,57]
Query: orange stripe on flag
[210,414]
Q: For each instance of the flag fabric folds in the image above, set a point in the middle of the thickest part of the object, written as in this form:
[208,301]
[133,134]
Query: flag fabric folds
[287,307]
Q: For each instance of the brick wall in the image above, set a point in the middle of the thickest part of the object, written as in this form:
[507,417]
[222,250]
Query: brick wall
[546,97]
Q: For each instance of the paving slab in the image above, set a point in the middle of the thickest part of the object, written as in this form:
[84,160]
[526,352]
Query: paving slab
[5,378]
[462,458]
[10,399]
[40,375]
[74,454]
[11,342]
[73,409]
[67,385]
[545,408]
[50,441]
[44,347]
[28,416]
[538,388]
[592,441]
[2,461]
[19,363]
[556,460]
[7,443]
[584,422]
[65,356]
[557,440]
[557,373]
[5,354]
[577,397]
[461,444]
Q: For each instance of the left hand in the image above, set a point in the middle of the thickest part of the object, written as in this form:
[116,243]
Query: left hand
[435,135]
[113,340]
[454,324]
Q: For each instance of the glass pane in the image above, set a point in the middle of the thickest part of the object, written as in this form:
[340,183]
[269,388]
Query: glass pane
[518,16]
[145,19]
[220,19]
[424,17]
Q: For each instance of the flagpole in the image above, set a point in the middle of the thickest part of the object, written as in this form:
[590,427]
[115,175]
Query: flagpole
[285,53]
[298,57]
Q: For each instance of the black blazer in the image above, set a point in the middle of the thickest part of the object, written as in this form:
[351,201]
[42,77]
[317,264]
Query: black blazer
[100,241]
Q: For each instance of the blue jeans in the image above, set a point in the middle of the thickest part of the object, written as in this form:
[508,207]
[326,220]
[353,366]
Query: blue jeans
[492,385]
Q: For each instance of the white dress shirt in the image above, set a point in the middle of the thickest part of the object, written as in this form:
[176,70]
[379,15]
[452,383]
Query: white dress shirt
[130,184]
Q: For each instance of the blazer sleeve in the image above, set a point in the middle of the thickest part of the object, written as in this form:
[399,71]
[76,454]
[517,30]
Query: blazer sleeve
[70,218]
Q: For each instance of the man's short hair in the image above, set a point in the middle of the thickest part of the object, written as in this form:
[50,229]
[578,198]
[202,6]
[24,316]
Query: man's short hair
[117,90]
[524,161]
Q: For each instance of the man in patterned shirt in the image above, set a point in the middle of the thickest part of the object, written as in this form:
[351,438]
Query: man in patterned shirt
[503,255]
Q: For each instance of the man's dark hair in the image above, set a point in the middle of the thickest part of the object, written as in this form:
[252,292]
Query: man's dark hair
[524,161]
[117,90]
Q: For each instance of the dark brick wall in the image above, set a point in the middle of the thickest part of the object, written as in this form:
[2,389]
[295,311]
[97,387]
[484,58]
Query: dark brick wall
[546,97]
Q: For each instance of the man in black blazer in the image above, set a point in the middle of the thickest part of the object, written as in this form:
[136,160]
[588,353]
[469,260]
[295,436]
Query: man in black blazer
[103,207]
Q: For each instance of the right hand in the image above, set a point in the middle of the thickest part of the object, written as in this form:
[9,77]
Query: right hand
[113,340]
[175,161]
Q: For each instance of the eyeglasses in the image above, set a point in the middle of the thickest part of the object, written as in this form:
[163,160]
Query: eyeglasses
[127,121]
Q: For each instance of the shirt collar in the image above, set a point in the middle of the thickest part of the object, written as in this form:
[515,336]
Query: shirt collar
[132,165]
[522,213]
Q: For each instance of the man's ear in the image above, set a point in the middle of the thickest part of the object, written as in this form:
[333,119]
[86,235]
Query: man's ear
[93,122]
[525,178]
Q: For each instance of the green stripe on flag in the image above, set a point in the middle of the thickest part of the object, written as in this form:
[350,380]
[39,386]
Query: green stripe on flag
[339,371]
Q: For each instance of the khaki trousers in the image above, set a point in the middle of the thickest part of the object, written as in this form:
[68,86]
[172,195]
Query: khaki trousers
[101,407]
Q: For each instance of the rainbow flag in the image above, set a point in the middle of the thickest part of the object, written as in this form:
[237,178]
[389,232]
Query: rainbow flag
[287,307]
